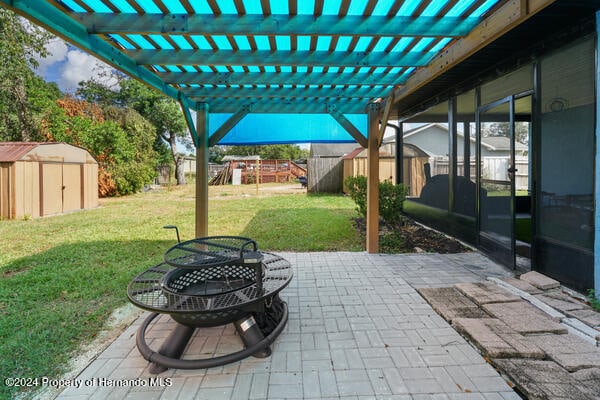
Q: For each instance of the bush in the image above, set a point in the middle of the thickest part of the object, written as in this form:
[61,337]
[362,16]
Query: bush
[391,198]
[357,189]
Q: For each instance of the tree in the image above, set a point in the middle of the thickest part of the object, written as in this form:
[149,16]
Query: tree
[268,152]
[20,45]
[161,111]
[120,140]
[503,129]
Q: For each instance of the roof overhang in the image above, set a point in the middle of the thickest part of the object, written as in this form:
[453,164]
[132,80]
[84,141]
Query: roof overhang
[550,27]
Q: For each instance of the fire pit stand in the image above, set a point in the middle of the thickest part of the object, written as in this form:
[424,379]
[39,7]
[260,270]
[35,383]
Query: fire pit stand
[208,282]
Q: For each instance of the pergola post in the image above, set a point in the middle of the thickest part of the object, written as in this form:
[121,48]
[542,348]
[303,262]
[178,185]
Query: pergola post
[373,179]
[202,171]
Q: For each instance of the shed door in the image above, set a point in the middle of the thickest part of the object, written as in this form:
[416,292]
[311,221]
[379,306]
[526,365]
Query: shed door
[71,187]
[51,189]
[61,188]
[5,190]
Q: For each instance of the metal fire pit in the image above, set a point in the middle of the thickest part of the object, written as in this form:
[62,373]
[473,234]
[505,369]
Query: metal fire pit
[208,282]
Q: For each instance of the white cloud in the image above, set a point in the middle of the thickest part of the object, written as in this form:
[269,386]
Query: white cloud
[57,50]
[80,66]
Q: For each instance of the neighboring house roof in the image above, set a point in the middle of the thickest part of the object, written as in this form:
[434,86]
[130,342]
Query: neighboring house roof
[414,131]
[501,143]
[492,143]
[13,151]
[331,150]
[408,149]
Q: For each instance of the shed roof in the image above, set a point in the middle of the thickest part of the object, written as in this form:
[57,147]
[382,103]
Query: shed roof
[13,151]
[44,152]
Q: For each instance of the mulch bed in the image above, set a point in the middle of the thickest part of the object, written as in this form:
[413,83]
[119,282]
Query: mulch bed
[410,237]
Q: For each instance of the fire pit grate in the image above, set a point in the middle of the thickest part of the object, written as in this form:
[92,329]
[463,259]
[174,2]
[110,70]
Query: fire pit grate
[208,282]
[149,291]
[208,252]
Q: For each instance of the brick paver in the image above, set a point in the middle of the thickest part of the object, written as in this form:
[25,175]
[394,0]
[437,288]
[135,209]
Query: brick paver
[569,351]
[547,380]
[524,318]
[451,304]
[357,328]
[486,292]
[497,339]
[540,281]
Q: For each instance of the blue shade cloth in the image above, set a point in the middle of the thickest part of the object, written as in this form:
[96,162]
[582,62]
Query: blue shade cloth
[97,6]
[255,129]
[73,6]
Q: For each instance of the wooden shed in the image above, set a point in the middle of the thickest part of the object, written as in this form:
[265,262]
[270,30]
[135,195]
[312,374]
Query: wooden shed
[355,164]
[40,179]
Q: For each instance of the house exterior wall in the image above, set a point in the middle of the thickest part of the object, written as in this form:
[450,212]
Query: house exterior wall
[561,161]
[433,141]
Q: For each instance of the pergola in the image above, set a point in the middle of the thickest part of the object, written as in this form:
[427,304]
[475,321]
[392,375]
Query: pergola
[346,60]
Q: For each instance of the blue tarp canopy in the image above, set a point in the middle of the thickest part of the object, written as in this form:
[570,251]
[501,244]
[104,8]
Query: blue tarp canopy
[286,128]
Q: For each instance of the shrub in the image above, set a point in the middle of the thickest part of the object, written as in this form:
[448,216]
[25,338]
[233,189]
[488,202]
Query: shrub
[357,189]
[391,197]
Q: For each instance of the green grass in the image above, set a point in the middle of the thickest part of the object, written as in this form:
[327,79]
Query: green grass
[61,277]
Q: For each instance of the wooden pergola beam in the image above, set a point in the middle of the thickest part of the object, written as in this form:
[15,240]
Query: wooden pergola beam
[282,78]
[228,125]
[202,170]
[322,58]
[373,179]
[505,18]
[347,125]
[254,24]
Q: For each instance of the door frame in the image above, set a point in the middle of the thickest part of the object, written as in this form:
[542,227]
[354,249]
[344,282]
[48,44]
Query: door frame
[480,110]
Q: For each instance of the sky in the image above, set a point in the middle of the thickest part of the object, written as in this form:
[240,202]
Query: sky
[67,66]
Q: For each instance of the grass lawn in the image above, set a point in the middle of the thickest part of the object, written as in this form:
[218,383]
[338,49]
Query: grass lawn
[61,277]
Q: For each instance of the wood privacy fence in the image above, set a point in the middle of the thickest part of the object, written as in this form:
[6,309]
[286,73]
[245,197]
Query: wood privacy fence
[325,175]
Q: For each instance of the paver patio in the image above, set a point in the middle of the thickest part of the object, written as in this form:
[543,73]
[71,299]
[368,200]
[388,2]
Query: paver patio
[357,329]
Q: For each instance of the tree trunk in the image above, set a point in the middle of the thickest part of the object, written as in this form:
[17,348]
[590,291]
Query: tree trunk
[180,171]
[178,160]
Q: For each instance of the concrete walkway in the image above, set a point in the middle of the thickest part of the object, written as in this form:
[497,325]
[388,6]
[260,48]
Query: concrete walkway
[357,329]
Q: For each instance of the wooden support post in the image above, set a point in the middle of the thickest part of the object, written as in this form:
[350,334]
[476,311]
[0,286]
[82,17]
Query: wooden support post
[373,179]
[257,175]
[202,171]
